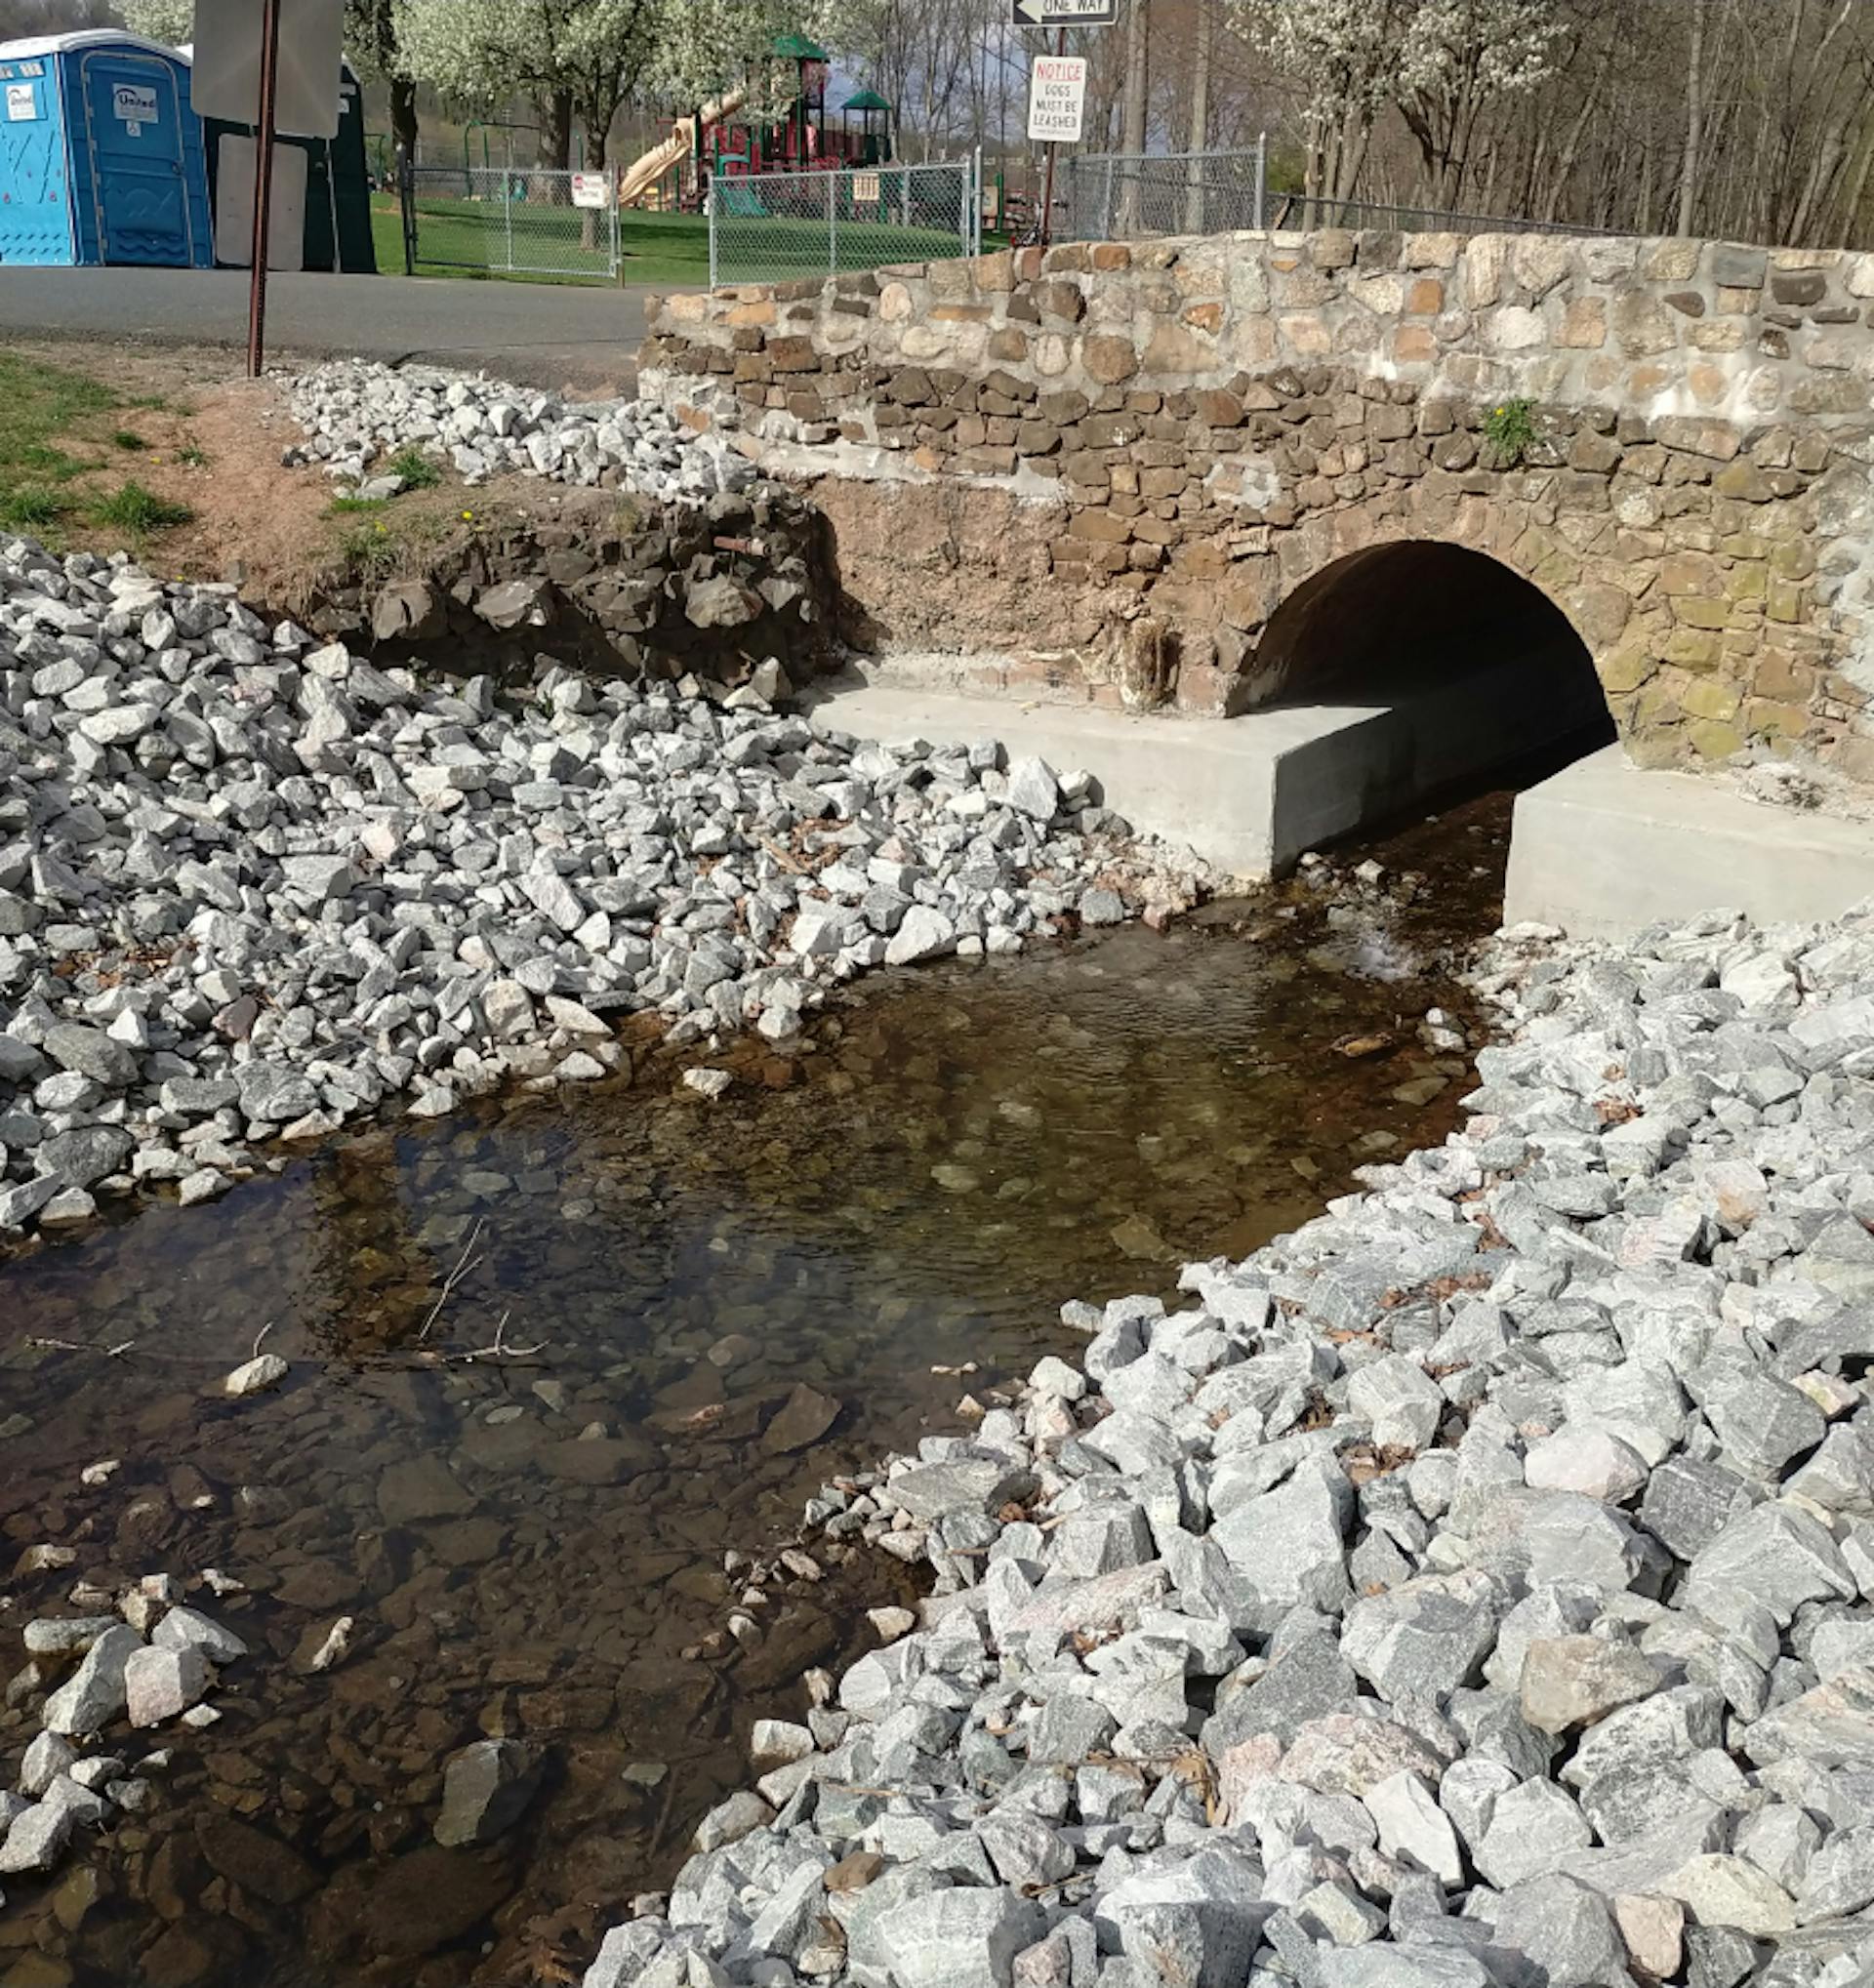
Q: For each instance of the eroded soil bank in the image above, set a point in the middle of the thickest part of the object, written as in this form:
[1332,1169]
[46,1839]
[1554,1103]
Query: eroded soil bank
[888,1220]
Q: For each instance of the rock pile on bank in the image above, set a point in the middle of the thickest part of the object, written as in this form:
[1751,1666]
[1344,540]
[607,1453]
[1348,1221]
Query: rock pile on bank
[133,1661]
[1471,1588]
[357,413]
[253,886]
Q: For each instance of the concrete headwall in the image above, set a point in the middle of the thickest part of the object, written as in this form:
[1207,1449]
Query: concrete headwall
[1114,464]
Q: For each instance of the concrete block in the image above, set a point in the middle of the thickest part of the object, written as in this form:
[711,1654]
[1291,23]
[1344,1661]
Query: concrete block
[1603,848]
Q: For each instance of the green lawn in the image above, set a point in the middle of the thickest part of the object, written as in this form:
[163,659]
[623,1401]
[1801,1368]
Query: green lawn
[471,238]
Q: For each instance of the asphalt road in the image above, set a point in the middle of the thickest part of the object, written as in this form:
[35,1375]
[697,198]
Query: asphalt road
[542,333]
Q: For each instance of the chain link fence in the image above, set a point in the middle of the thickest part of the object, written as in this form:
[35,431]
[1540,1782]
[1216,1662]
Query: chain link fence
[776,228]
[1132,196]
[519,220]
[1126,196]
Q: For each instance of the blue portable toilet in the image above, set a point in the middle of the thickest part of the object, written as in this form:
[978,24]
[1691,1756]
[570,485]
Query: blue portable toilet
[101,153]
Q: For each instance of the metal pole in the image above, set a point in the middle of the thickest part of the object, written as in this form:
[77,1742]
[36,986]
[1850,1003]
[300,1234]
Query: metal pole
[976,203]
[709,201]
[263,189]
[1262,162]
[1047,190]
[833,223]
[507,213]
[1106,201]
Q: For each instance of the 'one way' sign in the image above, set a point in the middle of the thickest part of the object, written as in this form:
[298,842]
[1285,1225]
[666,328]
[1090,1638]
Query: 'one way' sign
[1063,12]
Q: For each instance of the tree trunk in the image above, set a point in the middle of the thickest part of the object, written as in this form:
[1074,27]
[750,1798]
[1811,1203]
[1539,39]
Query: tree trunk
[554,152]
[1203,28]
[595,223]
[1694,117]
[1132,112]
[403,115]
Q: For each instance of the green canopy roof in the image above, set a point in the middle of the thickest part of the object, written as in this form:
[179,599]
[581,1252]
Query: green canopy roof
[800,49]
[866,100]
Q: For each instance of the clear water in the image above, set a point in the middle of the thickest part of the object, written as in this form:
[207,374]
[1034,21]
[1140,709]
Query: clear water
[960,1150]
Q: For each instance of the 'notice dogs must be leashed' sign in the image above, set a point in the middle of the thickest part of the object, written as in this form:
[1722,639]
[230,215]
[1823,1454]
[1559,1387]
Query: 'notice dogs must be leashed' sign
[1056,97]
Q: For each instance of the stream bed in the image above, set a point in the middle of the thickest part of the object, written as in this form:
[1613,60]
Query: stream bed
[683,1292]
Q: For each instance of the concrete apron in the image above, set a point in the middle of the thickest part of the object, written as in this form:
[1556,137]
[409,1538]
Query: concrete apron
[1250,794]
[1603,849]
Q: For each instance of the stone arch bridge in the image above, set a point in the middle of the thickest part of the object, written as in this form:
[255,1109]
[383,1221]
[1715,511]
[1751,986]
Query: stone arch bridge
[1196,429]
[1219,472]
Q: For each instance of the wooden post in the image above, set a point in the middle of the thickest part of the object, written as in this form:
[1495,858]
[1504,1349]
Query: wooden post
[262,188]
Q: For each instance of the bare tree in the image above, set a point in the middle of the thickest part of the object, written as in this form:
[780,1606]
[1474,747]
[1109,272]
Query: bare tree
[1132,134]
[1198,139]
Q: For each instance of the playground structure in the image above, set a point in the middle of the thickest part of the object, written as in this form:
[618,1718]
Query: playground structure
[712,148]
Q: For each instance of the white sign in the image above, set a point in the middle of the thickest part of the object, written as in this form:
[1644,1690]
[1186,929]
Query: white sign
[591,189]
[22,107]
[225,81]
[235,204]
[1056,97]
[864,190]
[133,104]
[1065,13]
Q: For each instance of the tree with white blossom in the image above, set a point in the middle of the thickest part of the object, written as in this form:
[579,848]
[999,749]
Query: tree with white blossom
[1440,63]
[165,20]
[569,57]
[370,40]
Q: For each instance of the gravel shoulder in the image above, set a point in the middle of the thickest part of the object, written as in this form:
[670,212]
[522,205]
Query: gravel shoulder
[1470,1588]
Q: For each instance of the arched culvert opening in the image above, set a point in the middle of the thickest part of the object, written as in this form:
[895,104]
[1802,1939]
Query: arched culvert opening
[1412,667]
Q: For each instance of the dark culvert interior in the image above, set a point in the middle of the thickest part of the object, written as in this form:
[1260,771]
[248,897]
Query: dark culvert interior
[1416,615]
[1478,678]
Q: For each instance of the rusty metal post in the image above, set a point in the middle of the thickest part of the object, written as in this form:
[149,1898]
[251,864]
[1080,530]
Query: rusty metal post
[262,188]
[1053,146]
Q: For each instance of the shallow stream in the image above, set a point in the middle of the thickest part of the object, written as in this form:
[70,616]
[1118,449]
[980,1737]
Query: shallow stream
[888,1221]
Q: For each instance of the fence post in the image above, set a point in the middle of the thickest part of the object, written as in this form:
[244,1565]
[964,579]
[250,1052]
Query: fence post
[1262,173]
[1106,202]
[833,221]
[508,214]
[407,200]
[709,202]
[975,242]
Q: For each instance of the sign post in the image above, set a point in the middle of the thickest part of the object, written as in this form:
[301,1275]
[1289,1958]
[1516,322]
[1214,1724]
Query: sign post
[262,188]
[1057,83]
[252,68]
[1056,107]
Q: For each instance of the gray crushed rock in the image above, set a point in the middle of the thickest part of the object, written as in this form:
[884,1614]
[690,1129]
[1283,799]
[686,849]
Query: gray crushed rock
[1470,1588]
[303,887]
[357,413]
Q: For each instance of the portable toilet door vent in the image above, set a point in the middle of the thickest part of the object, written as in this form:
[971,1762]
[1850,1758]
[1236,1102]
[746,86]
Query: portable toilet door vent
[102,154]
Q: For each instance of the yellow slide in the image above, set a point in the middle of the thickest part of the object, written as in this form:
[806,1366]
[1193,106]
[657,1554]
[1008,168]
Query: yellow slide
[646,172]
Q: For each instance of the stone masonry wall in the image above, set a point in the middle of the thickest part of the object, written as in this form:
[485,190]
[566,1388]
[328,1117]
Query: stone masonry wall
[1178,435]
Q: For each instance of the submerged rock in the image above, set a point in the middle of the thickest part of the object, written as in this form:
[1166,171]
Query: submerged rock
[486,1788]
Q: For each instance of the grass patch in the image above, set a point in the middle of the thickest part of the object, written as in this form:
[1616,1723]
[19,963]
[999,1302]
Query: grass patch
[57,427]
[32,510]
[416,468]
[138,511]
[370,549]
[192,456]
